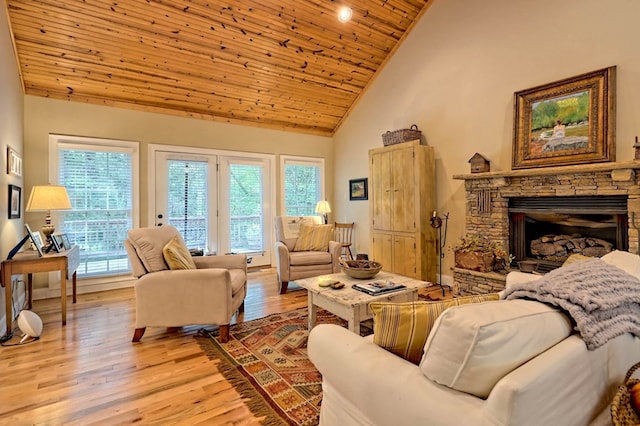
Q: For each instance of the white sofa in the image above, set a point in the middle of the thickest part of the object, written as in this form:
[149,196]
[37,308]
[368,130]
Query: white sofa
[565,384]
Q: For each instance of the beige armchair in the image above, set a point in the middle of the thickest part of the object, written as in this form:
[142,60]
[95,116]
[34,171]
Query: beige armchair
[292,265]
[209,294]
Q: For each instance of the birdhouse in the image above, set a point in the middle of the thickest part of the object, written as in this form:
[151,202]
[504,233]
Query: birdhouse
[479,164]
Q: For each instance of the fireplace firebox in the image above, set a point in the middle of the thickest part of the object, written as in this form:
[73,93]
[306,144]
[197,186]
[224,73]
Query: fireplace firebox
[550,229]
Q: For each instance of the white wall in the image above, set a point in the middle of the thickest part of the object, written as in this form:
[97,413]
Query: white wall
[44,116]
[455,77]
[11,118]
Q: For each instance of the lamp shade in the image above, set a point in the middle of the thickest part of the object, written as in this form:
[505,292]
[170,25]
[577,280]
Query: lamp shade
[323,207]
[48,197]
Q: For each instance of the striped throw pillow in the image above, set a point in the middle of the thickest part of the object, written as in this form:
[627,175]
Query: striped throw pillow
[403,328]
[313,237]
[177,255]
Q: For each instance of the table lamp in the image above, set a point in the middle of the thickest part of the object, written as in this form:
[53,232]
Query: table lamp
[44,198]
[323,208]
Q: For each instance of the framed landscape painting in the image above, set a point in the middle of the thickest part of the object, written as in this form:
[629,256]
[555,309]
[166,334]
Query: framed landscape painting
[566,122]
[358,189]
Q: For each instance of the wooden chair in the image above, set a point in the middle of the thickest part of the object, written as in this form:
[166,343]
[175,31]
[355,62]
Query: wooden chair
[344,235]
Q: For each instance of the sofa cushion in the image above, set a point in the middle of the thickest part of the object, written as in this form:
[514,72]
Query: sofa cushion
[149,242]
[177,255]
[314,237]
[628,262]
[403,328]
[307,258]
[471,347]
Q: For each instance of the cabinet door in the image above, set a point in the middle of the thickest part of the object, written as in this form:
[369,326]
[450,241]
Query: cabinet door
[381,190]
[403,199]
[382,248]
[404,255]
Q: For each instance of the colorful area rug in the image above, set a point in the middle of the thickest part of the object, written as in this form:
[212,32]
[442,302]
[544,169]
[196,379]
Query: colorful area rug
[266,362]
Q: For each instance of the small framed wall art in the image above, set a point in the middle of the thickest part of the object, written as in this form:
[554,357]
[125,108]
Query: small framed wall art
[15,199]
[358,189]
[14,162]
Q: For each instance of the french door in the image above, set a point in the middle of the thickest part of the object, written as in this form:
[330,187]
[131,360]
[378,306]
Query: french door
[186,197]
[219,203]
[245,208]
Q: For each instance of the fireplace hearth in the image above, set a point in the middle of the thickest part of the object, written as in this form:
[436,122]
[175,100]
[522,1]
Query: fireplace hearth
[592,207]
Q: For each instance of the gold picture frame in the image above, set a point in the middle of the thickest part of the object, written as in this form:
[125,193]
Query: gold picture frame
[571,121]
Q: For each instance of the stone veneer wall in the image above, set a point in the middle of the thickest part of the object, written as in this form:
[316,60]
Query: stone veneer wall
[487,203]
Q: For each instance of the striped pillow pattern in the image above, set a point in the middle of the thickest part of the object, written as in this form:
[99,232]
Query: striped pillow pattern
[313,237]
[177,255]
[403,328]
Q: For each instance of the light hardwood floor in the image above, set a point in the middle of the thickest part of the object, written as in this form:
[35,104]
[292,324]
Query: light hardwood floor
[89,372]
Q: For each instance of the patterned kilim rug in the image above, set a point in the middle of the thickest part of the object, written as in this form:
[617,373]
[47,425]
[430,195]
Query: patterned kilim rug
[266,362]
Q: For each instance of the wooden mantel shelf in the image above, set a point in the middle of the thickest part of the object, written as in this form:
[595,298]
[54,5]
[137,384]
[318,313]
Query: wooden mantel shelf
[581,168]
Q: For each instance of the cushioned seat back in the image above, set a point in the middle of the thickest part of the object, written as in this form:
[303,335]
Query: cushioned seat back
[147,243]
[288,228]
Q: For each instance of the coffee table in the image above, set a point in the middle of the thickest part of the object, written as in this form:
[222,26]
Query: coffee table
[353,305]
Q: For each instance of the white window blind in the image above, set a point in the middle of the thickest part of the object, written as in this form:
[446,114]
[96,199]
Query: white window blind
[303,185]
[187,201]
[99,181]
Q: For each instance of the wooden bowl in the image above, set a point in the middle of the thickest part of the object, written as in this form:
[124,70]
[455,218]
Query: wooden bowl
[362,270]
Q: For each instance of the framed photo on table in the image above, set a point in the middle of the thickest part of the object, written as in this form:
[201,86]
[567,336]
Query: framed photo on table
[66,244]
[571,121]
[56,240]
[36,239]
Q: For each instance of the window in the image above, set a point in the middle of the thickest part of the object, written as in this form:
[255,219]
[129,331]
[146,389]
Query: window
[303,184]
[100,177]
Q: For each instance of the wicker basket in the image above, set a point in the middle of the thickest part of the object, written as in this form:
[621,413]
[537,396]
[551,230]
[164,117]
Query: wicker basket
[622,413]
[402,135]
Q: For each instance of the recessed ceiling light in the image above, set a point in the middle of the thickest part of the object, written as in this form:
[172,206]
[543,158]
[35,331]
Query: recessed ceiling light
[344,14]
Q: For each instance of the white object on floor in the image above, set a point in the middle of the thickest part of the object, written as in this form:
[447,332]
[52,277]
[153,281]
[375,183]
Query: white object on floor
[30,324]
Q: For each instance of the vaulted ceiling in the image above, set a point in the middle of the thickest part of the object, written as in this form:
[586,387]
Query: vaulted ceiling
[284,64]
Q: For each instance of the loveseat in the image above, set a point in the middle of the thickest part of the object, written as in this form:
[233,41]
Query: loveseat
[505,362]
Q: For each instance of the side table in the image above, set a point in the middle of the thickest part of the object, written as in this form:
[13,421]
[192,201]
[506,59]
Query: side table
[29,263]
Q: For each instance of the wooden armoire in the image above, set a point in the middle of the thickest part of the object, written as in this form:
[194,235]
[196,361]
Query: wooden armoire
[402,199]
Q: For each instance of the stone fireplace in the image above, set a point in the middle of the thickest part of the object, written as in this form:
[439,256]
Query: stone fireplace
[567,209]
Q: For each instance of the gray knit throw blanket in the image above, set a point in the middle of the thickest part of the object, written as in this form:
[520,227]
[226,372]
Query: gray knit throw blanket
[602,299]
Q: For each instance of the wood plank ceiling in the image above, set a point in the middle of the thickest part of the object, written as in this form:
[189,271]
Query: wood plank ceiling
[284,64]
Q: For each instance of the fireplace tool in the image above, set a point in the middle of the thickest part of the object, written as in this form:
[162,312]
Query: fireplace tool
[436,222]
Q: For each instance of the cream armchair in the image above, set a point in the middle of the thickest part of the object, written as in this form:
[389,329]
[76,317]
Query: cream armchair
[209,294]
[292,265]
